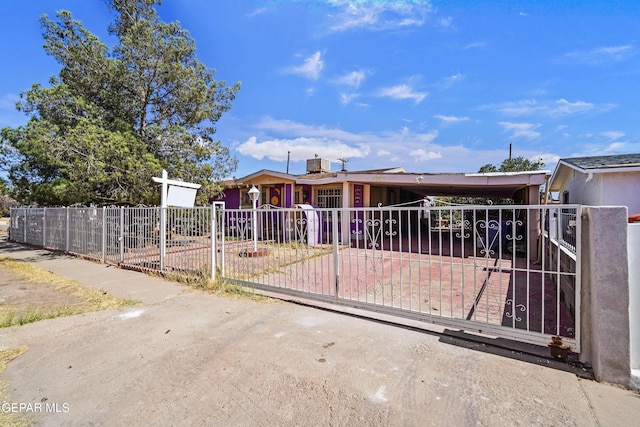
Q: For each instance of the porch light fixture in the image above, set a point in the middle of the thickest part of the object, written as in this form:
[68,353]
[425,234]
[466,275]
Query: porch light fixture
[254,194]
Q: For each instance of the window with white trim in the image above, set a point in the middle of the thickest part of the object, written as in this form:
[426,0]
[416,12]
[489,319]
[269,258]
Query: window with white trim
[329,197]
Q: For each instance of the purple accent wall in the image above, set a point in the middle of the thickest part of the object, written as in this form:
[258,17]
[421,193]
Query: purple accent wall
[306,189]
[288,192]
[232,198]
[358,202]
[358,195]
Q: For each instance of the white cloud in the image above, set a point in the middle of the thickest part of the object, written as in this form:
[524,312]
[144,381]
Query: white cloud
[278,137]
[354,78]
[528,107]
[310,68]
[563,107]
[258,11]
[613,134]
[447,120]
[521,130]
[423,155]
[378,15]
[446,22]
[345,99]
[603,55]
[403,92]
[298,149]
[474,45]
[452,80]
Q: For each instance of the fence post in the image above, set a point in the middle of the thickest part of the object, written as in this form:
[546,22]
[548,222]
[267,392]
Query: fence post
[66,228]
[163,235]
[334,227]
[121,236]
[104,234]
[214,241]
[44,227]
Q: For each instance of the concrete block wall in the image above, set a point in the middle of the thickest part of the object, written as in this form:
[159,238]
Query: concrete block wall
[633,243]
[605,329]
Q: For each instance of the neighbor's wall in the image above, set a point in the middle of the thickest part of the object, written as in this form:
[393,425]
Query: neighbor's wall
[604,189]
[584,192]
[604,312]
[617,189]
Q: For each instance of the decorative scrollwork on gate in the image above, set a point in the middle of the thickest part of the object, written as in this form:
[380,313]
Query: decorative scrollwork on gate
[510,311]
[390,232]
[373,232]
[487,235]
[464,226]
[513,225]
[242,226]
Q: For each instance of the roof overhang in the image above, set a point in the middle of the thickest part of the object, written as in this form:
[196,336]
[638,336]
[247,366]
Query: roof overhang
[565,169]
[264,174]
[496,184]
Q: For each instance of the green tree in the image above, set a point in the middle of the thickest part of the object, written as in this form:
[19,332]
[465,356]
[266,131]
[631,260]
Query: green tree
[515,164]
[115,117]
[6,201]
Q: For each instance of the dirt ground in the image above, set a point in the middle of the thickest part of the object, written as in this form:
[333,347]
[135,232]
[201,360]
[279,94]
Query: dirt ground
[20,294]
[29,293]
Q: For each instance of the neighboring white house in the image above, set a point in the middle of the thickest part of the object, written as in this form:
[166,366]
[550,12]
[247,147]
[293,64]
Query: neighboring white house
[599,181]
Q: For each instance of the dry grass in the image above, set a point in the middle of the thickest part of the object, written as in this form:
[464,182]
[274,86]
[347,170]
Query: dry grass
[201,280]
[33,279]
[6,417]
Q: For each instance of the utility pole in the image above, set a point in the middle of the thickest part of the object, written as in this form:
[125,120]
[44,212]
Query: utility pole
[288,159]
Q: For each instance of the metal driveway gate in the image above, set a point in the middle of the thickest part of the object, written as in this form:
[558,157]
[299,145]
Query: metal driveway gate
[511,271]
[508,271]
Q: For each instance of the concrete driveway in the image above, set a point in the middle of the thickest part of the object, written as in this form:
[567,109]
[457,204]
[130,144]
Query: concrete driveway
[189,358]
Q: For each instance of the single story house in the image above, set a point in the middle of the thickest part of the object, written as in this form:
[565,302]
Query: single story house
[320,187]
[599,181]
[381,187]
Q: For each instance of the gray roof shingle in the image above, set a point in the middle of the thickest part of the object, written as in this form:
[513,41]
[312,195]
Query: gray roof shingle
[602,162]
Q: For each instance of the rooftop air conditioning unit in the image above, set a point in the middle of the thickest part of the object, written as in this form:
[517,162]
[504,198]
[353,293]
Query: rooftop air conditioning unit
[318,165]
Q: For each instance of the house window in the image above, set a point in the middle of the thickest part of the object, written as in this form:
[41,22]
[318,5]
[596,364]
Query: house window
[245,200]
[329,198]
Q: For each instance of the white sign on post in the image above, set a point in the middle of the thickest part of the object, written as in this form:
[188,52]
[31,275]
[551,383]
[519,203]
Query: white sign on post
[173,193]
[176,193]
[183,197]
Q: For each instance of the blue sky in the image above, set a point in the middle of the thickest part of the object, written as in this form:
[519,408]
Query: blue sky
[429,86]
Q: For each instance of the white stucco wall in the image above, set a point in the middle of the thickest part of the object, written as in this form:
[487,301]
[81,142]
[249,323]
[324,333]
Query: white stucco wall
[605,189]
[621,189]
[583,192]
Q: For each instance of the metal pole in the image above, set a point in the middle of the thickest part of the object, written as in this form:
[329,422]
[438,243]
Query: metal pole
[121,237]
[66,230]
[214,241]
[104,234]
[163,219]
[255,226]
[334,226]
[44,227]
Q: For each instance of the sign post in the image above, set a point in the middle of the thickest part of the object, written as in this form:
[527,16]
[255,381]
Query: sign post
[173,193]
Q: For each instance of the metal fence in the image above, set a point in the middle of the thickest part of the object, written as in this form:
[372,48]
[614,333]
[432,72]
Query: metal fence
[502,270]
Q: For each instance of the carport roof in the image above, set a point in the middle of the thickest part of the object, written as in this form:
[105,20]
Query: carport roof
[493,184]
